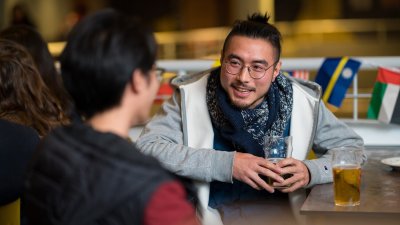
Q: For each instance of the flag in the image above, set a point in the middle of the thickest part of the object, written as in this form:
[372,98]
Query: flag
[301,74]
[165,91]
[385,100]
[216,63]
[335,76]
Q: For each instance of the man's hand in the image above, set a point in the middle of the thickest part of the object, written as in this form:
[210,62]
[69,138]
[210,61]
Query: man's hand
[300,173]
[247,168]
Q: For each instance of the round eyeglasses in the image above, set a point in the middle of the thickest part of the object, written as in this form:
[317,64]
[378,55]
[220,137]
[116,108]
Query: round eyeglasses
[234,67]
[159,73]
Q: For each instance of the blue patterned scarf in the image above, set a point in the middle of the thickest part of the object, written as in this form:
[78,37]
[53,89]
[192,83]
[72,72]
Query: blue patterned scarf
[245,129]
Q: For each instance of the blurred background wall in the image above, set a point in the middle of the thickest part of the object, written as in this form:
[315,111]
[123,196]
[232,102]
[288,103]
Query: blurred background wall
[193,29]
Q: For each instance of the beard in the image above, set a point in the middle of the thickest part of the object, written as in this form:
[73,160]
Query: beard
[243,104]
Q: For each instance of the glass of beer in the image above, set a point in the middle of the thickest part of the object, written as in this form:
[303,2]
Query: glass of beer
[346,176]
[277,148]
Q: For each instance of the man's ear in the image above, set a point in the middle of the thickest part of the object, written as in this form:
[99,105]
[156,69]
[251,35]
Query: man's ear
[277,69]
[138,81]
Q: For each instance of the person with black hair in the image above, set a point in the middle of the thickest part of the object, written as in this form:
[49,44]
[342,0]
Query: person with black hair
[213,130]
[90,172]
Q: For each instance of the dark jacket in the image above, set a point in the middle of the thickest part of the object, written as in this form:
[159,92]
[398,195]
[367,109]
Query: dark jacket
[81,176]
[17,144]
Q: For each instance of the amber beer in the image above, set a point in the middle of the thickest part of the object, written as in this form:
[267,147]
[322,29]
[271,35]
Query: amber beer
[347,179]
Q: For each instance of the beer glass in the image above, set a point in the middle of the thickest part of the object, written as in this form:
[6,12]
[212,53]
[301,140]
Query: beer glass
[346,176]
[277,148]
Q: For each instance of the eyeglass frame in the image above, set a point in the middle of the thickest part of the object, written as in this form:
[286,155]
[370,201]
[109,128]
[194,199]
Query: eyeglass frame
[159,73]
[248,69]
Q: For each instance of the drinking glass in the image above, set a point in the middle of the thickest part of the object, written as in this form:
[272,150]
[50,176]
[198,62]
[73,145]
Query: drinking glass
[277,148]
[346,176]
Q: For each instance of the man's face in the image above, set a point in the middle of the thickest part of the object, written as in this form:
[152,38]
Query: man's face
[243,90]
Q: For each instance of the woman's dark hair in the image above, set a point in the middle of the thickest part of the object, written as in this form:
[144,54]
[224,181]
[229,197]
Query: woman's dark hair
[24,97]
[101,54]
[29,38]
[257,26]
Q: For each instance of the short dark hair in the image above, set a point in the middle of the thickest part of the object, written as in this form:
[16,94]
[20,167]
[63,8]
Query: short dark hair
[101,54]
[257,26]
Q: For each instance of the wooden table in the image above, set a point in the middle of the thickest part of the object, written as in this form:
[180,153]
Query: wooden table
[380,196]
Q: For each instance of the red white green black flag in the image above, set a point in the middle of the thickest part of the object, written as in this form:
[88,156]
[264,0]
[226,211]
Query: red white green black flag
[385,101]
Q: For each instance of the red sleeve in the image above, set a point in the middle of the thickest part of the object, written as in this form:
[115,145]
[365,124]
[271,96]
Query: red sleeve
[168,206]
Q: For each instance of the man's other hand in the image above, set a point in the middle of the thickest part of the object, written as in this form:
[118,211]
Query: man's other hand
[300,173]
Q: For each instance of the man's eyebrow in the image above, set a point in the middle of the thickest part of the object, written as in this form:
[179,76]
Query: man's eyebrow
[260,61]
[234,56]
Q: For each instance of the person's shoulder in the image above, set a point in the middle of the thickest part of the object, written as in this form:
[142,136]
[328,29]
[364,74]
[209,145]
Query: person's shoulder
[58,134]
[190,78]
[26,133]
[17,140]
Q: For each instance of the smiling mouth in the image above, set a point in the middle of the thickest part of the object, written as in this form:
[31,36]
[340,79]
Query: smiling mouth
[241,88]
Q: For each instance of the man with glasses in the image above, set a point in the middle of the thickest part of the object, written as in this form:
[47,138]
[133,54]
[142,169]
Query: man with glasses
[213,130]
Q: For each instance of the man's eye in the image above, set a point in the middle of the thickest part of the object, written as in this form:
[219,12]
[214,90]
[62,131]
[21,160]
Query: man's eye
[235,63]
[257,68]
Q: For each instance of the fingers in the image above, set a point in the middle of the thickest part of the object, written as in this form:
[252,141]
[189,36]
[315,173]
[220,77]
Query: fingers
[261,184]
[287,162]
[268,170]
[251,183]
[300,175]
[271,174]
[248,168]
[255,181]
[269,166]
[291,188]
[258,183]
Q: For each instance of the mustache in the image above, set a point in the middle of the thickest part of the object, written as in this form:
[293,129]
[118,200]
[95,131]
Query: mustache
[242,85]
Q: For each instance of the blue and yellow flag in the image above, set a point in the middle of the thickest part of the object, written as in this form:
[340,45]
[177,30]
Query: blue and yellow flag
[335,77]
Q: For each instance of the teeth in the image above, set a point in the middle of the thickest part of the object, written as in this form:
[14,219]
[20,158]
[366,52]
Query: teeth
[242,90]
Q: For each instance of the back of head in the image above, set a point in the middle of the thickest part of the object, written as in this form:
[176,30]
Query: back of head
[24,98]
[33,42]
[20,15]
[101,54]
[257,27]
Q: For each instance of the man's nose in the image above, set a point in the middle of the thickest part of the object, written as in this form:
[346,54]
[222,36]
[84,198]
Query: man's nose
[244,74]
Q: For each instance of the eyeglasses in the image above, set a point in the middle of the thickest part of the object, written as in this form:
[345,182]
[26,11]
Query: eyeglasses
[234,67]
[159,73]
